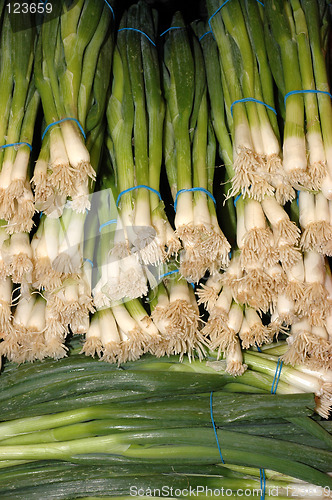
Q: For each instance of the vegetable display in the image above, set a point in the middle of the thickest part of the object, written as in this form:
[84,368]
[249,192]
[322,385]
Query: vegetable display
[165,244]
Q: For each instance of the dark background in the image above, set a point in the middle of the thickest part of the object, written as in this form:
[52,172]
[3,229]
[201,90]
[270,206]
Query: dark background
[190,9]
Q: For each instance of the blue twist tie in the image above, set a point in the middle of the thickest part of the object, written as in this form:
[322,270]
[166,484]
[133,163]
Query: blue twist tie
[16,144]
[221,6]
[201,37]
[236,199]
[214,426]
[263,483]
[306,92]
[169,273]
[64,120]
[108,223]
[138,187]
[195,189]
[276,377]
[110,6]
[251,99]
[138,31]
[172,28]
[89,260]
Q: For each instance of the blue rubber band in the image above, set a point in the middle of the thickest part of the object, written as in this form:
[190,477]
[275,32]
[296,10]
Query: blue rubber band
[305,92]
[138,187]
[174,272]
[236,199]
[172,28]
[276,377]
[258,348]
[251,99]
[169,273]
[138,31]
[201,37]
[64,120]
[16,144]
[110,6]
[89,260]
[263,483]
[203,190]
[214,426]
[108,223]
[221,6]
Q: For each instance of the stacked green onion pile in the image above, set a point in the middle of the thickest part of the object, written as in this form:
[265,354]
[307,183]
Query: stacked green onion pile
[92,429]
[165,194]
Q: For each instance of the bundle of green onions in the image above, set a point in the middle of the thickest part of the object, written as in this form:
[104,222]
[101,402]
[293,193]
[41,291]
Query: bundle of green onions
[19,104]
[67,57]
[166,422]
[190,150]
[135,117]
[122,279]
[296,41]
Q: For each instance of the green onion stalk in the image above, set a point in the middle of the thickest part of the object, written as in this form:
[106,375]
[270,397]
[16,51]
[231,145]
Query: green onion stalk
[175,312]
[257,164]
[121,275]
[19,102]
[62,271]
[126,434]
[59,381]
[293,46]
[120,330]
[67,58]
[190,155]
[24,340]
[122,333]
[314,206]
[264,232]
[124,482]
[305,379]
[242,286]
[135,117]
[6,289]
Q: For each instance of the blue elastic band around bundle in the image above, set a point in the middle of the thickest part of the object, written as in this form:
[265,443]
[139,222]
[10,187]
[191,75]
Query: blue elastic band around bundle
[138,31]
[276,377]
[64,120]
[251,99]
[236,199]
[171,28]
[107,223]
[214,426]
[306,92]
[89,260]
[169,273]
[141,186]
[110,6]
[206,33]
[195,189]
[221,6]
[174,272]
[263,483]
[16,144]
